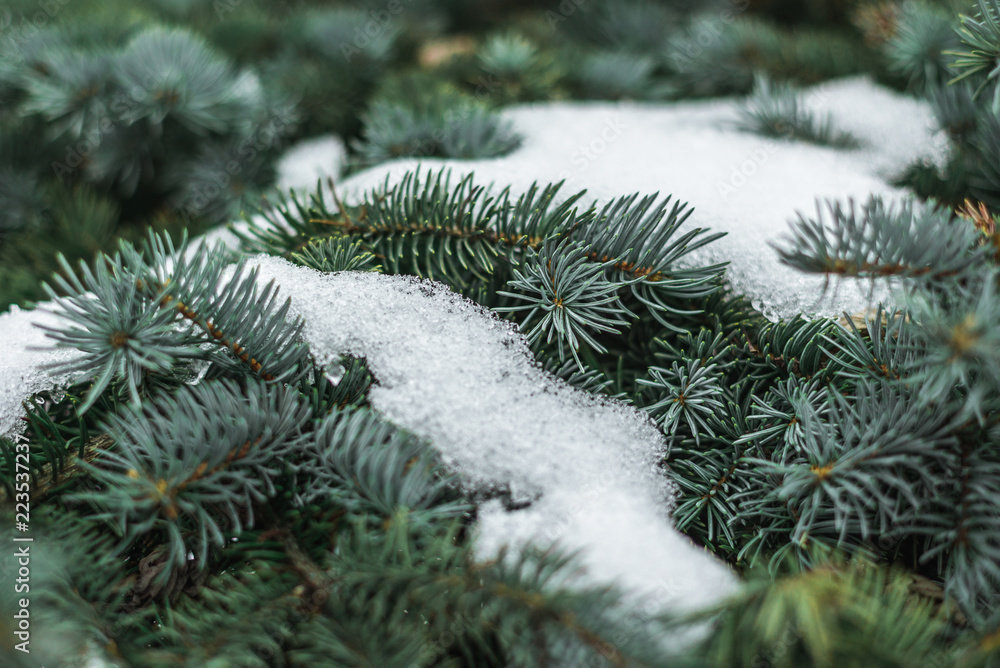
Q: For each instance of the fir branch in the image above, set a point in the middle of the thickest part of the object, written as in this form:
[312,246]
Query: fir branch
[776,423]
[957,348]
[245,617]
[687,394]
[334,254]
[617,75]
[709,484]
[76,591]
[454,128]
[777,110]
[568,295]
[962,529]
[885,349]
[919,48]
[911,241]
[837,613]
[638,237]
[860,470]
[425,226]
[787,347]
[191,465]
[120,331]
[367,466]
[232,311]
[637,26]
[72,466]
[329,389]
[193,85]
[980,36]
[957,111]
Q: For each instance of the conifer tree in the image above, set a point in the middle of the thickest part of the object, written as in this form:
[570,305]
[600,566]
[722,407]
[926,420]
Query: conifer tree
[211,489]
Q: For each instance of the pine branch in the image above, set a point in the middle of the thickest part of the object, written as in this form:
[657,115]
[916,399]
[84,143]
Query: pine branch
[980,36]
[424,225]
[909,241]
[777,110]
[232,311]
[190,465]
[568,295]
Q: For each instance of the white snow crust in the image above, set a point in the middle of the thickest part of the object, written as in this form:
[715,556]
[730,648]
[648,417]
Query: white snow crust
[451,372]
[24,350]
[737,182]
[309,161]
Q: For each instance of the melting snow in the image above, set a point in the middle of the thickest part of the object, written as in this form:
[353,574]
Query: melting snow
[458,376]
[746,185]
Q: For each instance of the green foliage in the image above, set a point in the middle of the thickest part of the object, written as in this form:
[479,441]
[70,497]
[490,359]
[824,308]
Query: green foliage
[209,494]
[976,60]
[373,469]
[327,61]
[568,294]
[77,591]
[929,376]
[131,330]
[712,57]
[884,241]
[336,254]
[516,68]
[404,121]
[985,179]
[108,134]
[853,614]
[191,466]
[122,333]
[424,225]
[686,395]
[918,50]
[477,242]
[615,75]
[637,26]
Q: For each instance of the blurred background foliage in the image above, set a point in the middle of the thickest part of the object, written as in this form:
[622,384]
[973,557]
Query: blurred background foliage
[118,115]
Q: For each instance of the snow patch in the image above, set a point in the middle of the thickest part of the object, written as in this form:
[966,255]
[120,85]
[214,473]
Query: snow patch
[737,182]
[26,350]
[450,371]
[309,161]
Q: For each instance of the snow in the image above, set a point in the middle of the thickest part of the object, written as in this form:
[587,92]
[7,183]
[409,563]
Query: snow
[26,350]
[582,469]
[740,183]
[451,372]
[309,161]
